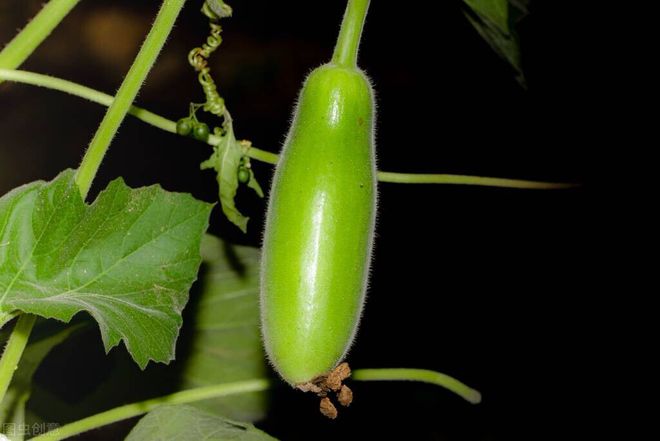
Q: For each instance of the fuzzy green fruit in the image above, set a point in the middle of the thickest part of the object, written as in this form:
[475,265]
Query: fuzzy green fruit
[320,226]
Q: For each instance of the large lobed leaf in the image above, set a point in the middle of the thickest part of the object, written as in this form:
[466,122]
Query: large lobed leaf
[226,342]
[128,259]
[219,343]
[187,423]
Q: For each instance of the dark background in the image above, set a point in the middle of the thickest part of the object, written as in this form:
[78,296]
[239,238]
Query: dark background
[488,285]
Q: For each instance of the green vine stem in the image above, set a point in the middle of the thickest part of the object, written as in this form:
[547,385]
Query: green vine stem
[262,155]
[422,375]
[36,31]
[152,46]
[6,317]
[122,102]
[14,350]
[142,407]
[423,178]
[348,42]
[242,387]
[49,82]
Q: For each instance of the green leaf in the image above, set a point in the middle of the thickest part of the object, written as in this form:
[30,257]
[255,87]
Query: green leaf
[187,423]
[505,45]
[128,259]
[226,343]
[219,342]
[12,408]
[225,161]
[495,21]
[254,184]
[495,11]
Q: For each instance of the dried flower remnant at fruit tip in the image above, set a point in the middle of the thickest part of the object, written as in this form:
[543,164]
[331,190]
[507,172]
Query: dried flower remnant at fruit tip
[332,382]
[345,396]
[327,408]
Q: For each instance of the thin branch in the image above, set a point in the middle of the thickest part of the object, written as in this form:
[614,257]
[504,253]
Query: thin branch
[153,44]
[142,407]
[263,155]
[242,387]
[14,350]
[422,375]
[36,31]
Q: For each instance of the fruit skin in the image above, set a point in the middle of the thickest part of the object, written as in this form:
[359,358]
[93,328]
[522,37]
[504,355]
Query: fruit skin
[320,226]
[201,132]
[243,175]
[184,126]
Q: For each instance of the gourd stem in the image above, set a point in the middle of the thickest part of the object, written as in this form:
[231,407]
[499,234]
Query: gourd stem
[36,31]
[14,350]
[142,407]
[482,181]
[422,375]
[348,42]
[241,387]
[138,72]
[75,89]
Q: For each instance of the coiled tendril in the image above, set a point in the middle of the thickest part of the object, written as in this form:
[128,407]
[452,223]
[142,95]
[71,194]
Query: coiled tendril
[198,59]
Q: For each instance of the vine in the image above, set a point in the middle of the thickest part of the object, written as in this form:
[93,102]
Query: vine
[265,156]
[19,48]
[242,387]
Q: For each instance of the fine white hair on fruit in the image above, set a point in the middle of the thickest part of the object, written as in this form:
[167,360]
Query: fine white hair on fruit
[309,319]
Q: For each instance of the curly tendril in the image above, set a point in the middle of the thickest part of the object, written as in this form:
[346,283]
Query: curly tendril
[198,59]
[214,102]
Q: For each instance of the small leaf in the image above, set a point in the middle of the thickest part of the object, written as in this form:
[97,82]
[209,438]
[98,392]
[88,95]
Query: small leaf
[225,342]
[495,11]
[506,46]
[254,184]
[187,423]
[495,20]
[128,259]
[225,160]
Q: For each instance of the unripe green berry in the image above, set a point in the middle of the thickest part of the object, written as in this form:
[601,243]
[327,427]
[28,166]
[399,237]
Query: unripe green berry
[201,132]
[243,175]
[184,126]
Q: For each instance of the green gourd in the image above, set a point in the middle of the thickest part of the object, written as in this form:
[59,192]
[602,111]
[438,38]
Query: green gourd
[321,217]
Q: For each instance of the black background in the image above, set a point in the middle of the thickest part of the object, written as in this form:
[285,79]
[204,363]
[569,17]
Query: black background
[488,285]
